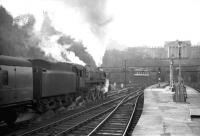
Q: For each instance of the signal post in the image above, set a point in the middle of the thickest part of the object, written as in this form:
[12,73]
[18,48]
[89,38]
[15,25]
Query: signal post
[180,91]
[178,50]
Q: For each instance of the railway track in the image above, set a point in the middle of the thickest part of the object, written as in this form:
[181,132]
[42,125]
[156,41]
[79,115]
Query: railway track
[75,120]
[122,91]
[118,121]
[23,127]
[136,115]
[109,123]
[27,125]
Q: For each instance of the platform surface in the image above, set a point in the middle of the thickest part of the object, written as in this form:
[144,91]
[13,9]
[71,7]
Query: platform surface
[163,117]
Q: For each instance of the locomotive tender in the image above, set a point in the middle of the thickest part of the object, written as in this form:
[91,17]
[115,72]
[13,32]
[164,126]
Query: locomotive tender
[41,85]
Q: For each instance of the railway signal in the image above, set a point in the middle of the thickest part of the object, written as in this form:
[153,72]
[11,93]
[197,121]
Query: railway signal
[159,76]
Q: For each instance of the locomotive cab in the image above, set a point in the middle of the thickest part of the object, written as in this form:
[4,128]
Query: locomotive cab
[81,75]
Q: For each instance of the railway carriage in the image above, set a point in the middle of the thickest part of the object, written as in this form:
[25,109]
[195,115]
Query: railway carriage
[16,86]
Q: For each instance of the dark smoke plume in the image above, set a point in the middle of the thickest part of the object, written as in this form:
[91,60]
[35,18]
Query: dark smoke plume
[65,40]
[78,48]
[16,40]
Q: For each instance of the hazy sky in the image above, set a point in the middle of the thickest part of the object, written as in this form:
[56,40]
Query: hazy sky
[127,22]
[152,22]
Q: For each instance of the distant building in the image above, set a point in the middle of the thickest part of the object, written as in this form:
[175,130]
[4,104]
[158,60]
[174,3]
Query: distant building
[158,52]
[172,49]
[195,51]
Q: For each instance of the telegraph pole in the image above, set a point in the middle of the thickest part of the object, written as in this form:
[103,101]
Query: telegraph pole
[125,73]
[179,60]
[171,72]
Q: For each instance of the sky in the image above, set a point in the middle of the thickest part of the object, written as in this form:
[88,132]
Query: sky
[152,22]
[100,23]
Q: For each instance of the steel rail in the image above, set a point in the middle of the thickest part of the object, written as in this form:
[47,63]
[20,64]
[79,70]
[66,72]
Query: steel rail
[79,124]
[102,122]
[119,91]
[84,121]
[69,117]
[134,109]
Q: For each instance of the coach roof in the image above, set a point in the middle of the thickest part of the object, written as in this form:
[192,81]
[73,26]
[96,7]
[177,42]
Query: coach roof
[14,61]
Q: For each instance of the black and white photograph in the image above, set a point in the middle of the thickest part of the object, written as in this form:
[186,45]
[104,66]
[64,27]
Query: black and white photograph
[99,68]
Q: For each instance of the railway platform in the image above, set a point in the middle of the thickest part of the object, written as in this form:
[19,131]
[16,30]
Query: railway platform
[162,116]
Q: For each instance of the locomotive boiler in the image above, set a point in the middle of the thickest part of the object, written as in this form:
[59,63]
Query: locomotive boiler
[42,85]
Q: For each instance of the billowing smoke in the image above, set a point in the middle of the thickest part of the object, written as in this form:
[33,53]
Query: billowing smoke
[18,40]
[84,20]
[50,44]
[78,49]
[94,14]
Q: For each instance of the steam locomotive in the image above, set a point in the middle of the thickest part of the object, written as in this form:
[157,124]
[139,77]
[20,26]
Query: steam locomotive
[42,85]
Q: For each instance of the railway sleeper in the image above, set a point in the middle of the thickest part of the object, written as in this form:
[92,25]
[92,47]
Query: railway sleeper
[112,130]
[109,133]
[85,128]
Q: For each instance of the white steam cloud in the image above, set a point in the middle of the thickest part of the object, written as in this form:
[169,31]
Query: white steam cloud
[84,20]
[57,51]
